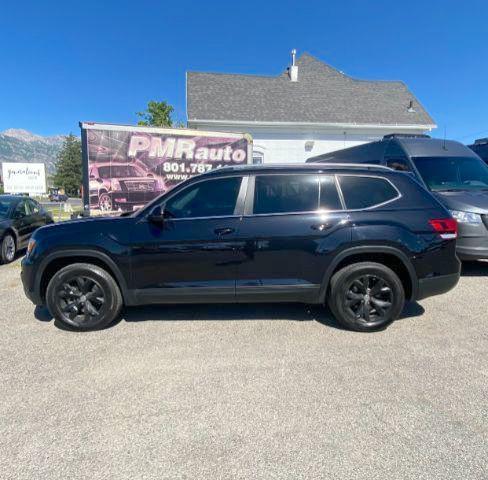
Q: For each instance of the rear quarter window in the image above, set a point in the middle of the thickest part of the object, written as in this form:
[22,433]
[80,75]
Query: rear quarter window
[365,192]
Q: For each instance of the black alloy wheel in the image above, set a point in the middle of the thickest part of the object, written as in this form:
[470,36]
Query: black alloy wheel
[369,298]
[84,297]
[366,296]
[81,299]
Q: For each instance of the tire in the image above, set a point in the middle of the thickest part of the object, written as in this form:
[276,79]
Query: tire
[8,248]
[83,296]
[105,202]
[366,296]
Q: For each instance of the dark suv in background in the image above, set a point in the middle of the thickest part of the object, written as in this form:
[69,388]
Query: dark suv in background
[360,238]
[480,147]
[454,174]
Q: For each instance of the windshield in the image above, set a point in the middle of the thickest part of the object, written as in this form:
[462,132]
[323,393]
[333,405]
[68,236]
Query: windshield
[119,171]
[4,207]
[452,173]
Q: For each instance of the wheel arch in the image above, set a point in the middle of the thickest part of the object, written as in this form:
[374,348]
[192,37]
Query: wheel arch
[103,191]
[57,260]
[388,256]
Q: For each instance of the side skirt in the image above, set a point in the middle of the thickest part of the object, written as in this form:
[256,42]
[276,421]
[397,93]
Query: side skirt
[268,294]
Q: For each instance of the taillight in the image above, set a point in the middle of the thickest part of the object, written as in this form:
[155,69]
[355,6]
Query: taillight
[447,228]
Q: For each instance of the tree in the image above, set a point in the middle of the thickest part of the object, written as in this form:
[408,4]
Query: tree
[69,171]
[158,114]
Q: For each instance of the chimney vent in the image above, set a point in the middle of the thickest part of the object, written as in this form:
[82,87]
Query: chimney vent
[293,70]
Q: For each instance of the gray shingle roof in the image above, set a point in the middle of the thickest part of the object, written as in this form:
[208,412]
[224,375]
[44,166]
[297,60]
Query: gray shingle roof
[321,95]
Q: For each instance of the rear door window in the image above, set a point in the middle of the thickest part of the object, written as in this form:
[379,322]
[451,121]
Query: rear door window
[286,194]
[365,192]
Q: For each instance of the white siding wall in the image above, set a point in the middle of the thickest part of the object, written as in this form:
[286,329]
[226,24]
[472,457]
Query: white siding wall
[288,145]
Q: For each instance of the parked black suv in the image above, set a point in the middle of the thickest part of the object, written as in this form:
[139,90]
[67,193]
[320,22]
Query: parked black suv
[360,238]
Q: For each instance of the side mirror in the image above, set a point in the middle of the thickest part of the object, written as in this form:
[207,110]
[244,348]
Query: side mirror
[156,216]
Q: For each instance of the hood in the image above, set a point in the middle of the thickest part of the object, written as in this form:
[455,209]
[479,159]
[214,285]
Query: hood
[100,224]
[475,201]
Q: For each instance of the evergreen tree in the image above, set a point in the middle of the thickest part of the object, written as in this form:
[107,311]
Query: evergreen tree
[69,172]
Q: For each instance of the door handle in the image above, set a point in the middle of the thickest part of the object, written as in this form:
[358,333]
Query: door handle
[321,226]
[224,231]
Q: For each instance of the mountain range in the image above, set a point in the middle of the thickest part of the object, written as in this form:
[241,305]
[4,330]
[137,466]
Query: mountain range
[17,145]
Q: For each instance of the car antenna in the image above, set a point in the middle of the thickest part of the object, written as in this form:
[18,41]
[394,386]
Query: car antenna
[444,142]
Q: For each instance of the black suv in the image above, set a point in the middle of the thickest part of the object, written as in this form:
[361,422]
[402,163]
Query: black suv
[360,238]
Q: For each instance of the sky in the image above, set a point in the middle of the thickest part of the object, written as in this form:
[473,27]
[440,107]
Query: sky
[102,60]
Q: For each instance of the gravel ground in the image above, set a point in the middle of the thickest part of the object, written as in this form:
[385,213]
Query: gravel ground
[250,391]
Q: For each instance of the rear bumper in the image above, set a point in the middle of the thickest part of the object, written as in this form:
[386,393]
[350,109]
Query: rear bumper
[428,287]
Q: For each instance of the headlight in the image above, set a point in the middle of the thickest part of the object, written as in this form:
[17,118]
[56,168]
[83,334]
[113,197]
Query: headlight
[466,217]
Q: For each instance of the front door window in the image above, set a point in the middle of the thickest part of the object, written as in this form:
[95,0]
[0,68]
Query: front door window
[211,198]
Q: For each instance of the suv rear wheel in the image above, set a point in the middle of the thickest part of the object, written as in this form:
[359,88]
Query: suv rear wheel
[84,297]
[366,296]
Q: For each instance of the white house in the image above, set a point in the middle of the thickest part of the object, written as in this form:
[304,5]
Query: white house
[309,109]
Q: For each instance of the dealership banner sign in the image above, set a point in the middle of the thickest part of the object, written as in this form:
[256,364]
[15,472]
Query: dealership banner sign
[24,178]
[126,167]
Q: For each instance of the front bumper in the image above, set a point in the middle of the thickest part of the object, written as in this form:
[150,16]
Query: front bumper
[133,200]
[472,248]
[472,242]
[27,276]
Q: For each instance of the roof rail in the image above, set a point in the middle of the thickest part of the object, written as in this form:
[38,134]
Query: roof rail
[354,165]
[305,166]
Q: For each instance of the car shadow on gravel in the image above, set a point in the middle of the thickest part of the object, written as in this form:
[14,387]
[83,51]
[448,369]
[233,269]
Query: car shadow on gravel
[294,312]
[324,316]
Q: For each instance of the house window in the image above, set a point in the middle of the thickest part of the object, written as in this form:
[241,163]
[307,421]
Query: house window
[257,158]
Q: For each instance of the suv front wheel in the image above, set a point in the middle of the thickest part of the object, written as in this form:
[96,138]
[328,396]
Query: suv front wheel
[84,297]
[366,296]
[105,202]
[7,249]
